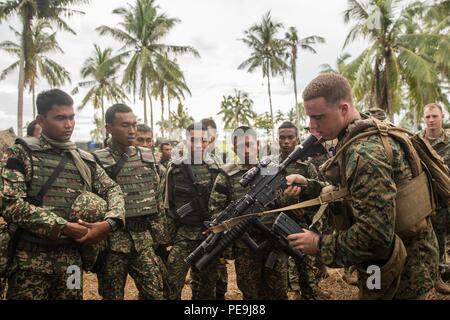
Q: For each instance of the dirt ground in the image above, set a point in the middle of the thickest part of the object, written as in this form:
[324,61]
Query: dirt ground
[333,285]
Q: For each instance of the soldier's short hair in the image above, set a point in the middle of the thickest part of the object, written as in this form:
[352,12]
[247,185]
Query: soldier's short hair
[30,128]
[196,126]
[330,86]
[142,127]
[434,105]
[288,125]
[242,131]
[162,145]
[110,114]
[52,98]
[209,123]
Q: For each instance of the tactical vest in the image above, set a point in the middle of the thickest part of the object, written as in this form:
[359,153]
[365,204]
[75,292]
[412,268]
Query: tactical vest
[68,185]
[191,196]
[136,179]
[234,174]
[414,199]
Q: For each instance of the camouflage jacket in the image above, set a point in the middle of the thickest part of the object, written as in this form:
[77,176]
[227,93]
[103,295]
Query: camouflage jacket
[41,220]
[372,183]
[441,145]
[128,241]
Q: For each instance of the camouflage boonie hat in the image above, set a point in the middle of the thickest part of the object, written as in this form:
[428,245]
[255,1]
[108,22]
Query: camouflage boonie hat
[91,208]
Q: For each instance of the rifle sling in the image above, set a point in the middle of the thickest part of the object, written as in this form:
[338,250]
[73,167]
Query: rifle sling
[323,200]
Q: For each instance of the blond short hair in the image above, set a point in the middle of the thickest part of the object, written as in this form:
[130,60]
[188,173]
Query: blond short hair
[330,86]
[434,105]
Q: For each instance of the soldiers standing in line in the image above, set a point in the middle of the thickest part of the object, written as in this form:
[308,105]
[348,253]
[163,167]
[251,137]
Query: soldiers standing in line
[189,182]
[130,251]
[440,141]
[41,179]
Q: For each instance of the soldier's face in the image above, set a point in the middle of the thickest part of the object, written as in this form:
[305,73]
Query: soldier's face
[144,139]
[433,118]
[123,128]
[166,152]
[246,148]
[58,123]
[197,141]
[326,119]
[287,139]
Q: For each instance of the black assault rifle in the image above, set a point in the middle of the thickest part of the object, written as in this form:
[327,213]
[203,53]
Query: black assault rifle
[265,182]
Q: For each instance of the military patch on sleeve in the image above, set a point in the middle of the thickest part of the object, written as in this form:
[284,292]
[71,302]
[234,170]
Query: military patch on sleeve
[15,164]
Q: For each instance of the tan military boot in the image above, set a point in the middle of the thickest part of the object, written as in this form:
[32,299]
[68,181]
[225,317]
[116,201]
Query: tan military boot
[442,287]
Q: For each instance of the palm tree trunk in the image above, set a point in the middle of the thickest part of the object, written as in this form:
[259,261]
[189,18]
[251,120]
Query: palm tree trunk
[33,93]
[270,99]
[103,131]
[145,101]
[168,109]
[294,77]
[162,113]
[151,110]
[21,84]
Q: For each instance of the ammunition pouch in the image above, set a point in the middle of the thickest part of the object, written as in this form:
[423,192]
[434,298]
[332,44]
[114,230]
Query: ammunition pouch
[389,277]
[193,213]
[138,224]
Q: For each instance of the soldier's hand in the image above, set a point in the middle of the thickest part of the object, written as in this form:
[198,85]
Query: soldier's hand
[97,231]
[291,190]
[307,242]
[74,230]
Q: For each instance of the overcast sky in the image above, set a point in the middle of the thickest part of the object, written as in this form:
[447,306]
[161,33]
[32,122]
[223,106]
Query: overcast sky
[213,27]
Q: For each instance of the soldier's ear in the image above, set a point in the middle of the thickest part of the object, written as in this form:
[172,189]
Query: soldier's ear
[39,119]
[108,128]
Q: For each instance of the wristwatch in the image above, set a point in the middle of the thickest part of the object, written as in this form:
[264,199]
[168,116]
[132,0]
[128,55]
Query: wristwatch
[113,224]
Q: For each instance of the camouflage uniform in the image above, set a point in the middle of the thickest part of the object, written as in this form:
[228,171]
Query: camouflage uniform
[222,273]
[303,274]
[187,231]
[441,221]
[369,230]
[131,250]
[43,254]
[253,279]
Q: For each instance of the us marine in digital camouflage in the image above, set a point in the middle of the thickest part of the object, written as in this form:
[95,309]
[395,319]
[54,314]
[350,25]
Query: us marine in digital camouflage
[369,171]
[439,138]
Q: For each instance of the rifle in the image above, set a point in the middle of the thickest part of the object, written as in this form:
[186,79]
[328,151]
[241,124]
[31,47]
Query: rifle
[265,182]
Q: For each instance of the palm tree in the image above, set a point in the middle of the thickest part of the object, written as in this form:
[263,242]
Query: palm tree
[97,134]
[236,109]
[181,118]
[42,66]
[264,121]
[141,30]
[168,82]
[101,70]
[341,64]
[267,52]
[293,44]
[280,117]
[27,11]
[395,58]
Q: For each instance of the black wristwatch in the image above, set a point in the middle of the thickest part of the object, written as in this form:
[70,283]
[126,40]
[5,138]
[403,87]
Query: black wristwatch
[113,224]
